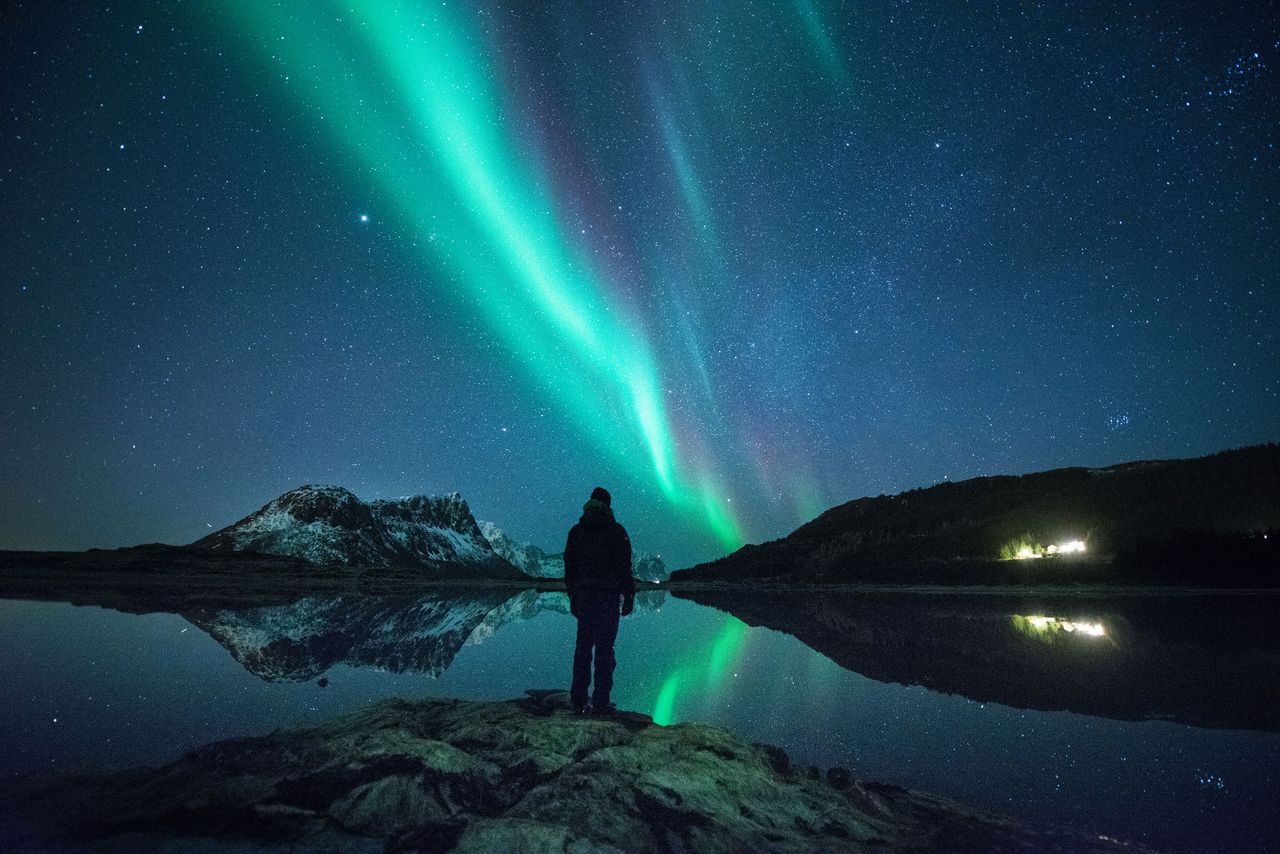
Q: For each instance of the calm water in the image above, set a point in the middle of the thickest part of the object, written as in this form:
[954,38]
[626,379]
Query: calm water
[91,687]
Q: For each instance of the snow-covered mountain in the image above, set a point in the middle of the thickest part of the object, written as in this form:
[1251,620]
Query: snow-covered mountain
[647,567]
[330,525]
[525,557]
[532,560]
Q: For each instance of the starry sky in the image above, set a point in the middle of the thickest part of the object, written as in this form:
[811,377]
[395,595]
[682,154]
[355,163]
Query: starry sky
[737,262]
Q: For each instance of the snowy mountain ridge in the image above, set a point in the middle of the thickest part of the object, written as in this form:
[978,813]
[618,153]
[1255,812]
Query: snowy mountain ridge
[533,561]
[330,525]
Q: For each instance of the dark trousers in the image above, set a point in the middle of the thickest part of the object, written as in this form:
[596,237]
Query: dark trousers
[598,612]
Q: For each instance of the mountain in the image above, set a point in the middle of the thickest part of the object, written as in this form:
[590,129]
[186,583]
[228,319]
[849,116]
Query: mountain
[525,557]
[1198,521]
[532,560]
[646,567]
[329,525]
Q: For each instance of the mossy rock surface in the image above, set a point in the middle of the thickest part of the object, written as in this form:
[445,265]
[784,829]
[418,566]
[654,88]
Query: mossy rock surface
[519,775]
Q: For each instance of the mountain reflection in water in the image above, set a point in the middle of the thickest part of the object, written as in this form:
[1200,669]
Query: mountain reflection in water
[400,634]
[1191,661]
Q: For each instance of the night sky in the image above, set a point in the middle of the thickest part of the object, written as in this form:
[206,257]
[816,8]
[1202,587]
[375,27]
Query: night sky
[735,261]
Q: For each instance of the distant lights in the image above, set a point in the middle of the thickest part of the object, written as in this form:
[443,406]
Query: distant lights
[1074,547]
[1043,624]
[1032,552]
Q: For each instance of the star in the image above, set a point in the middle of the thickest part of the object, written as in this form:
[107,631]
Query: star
[758,236]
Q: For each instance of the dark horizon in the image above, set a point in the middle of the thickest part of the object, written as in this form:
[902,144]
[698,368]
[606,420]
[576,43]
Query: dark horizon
[738,266]
[241,516]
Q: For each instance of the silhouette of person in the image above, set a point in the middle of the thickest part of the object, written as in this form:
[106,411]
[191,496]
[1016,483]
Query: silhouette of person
[597,573]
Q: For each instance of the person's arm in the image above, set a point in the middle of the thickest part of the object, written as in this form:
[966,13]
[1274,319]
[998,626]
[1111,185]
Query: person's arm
[628,585]
[571,569]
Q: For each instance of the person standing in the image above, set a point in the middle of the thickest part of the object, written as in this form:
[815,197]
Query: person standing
[597,573]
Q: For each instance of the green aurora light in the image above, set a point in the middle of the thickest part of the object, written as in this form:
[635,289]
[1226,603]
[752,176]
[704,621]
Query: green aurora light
[819,37]
[707,673]
[408,91]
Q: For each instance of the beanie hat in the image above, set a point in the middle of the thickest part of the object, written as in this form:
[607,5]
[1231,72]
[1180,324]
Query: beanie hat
[602,495]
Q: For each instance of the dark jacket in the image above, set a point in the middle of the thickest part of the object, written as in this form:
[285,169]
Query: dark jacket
[597,555]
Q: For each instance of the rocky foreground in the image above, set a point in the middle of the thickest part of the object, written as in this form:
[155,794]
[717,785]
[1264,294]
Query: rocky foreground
[521,775]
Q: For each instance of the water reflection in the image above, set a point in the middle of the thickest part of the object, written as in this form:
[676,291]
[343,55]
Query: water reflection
[301,640]
[839,683]
[1205,661]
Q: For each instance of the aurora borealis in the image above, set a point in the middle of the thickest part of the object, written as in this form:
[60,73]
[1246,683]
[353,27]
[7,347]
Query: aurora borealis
[489,222]
[737,262]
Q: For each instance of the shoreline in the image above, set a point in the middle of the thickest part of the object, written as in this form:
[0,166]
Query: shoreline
[186,576]
[56,583]
[1092,590]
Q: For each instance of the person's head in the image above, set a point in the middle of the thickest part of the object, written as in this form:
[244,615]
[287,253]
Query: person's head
[602,495]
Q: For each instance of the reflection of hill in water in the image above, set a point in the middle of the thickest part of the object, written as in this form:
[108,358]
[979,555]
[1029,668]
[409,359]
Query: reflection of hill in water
[1206,661]
[302,639]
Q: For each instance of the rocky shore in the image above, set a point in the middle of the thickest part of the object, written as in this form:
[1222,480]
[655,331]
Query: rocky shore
[518,775]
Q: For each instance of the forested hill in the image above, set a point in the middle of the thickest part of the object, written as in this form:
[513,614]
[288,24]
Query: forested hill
[1153,519]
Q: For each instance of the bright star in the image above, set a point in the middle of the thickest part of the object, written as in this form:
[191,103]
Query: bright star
[364,217]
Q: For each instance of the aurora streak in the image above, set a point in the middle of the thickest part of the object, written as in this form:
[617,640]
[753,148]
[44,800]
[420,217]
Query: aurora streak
[704,672]
[409,93]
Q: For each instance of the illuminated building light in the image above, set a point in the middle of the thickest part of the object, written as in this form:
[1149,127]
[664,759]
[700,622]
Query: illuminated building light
[1041,624]
[1026,551]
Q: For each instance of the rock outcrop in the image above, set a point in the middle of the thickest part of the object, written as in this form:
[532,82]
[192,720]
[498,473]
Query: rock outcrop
[524,775]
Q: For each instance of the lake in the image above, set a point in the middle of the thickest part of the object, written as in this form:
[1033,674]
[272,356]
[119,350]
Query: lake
[1155,719]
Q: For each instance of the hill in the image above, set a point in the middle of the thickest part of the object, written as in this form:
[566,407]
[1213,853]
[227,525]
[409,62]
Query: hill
[1201,521]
